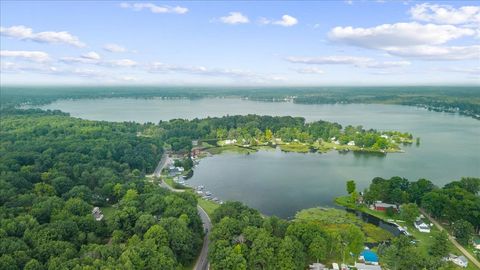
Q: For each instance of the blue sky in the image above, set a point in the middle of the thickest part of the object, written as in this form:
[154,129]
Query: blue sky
[240,43]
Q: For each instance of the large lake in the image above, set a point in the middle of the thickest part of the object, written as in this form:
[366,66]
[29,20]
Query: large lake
[283,183]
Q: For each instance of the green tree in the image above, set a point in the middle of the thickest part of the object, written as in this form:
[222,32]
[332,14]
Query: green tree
[143,223]
[158,234]
[390,211]
[262,254]
[409,212]
[33,265]
[462,230]
[351,186]
[353,238]
[318,248]
[440,245]
[290,254]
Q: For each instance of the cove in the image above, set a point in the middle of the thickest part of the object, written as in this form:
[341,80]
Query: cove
[283,183]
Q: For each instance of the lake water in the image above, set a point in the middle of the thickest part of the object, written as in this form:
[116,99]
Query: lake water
[283,183]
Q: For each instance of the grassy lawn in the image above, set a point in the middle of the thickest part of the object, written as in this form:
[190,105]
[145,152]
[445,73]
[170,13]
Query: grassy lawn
[295,147]
[334,219]
[230,148]
[208,206]
[169,181]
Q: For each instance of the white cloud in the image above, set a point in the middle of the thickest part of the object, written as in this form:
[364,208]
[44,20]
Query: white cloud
[154,8]
[363,62]
[17,31]
[286,21]
[398,35]
[91,55]
[122,63]
[36,56]
[310,70]
[387,64]
[426,52]
[235,18]
[158,67]
[414,40]
[94,58]
[26,33]
[445,14]
[114,48]
[465,70]
[89,73]
[129,79]
[13,67]
[81,60]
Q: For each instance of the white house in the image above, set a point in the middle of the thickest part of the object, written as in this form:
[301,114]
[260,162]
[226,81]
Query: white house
[458,260]
[476,243]
[97,214]
[317,266]
[351,143]
[228,142]
[362,266]
[422,226]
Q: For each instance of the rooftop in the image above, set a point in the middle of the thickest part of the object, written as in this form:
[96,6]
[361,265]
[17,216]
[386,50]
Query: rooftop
[369,256]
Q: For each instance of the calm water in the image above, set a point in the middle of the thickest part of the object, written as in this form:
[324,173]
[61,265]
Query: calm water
[282,183]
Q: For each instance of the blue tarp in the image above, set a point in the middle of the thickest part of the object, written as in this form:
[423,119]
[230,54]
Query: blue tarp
[369,256]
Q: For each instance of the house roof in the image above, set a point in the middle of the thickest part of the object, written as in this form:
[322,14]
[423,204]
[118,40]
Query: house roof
[363,266]
[369,256]
[420,223]
[386,205]
[462,259]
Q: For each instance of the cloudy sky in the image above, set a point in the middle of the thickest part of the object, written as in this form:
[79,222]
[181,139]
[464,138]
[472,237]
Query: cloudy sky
[240,43]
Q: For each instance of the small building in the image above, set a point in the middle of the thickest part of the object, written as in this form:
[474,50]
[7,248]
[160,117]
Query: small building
[351,143]
[228,142]
[335,266]
[369,257]
[317,266]
[476,243]
[173,171]
[362,266]
[458,260]
[97,213]
[381,206]
[422,226]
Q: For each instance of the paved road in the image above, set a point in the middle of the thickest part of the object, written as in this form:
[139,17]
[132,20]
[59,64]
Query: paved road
[202,260]
[161,164]
[454,242]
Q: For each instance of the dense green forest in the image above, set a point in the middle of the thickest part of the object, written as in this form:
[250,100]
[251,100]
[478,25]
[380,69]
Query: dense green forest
[461,99]
[54,169]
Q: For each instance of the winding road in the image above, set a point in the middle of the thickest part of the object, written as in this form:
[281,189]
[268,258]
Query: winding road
[202,260]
